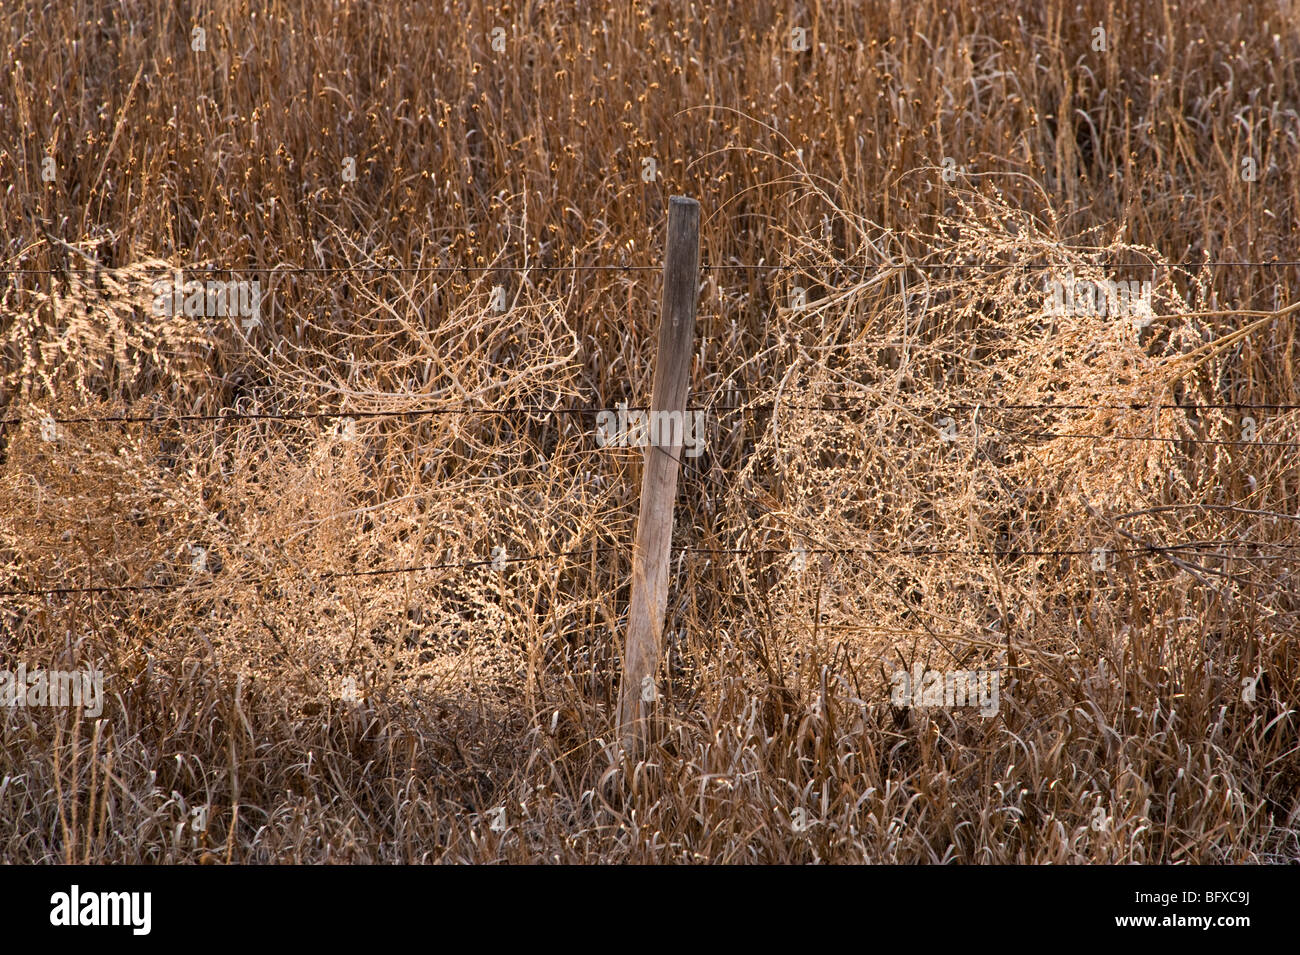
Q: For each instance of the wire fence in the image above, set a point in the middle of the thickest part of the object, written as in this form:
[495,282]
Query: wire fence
[286,269]
[1217,548]
[540,410]
[934,407]
[1203,548]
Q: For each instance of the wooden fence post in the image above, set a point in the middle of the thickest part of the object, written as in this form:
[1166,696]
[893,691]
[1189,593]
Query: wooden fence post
[654,531]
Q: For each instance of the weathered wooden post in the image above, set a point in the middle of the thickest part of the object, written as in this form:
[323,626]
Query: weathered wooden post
[654,530]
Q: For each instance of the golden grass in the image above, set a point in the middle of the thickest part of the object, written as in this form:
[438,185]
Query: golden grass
[483,701]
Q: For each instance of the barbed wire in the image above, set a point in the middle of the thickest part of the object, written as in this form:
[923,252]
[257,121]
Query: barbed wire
[540,410]
[333,269]
[726,390]
[342,415]
[324,575]
[993,552]
[286,269]
[1155,439]
[324,415]
[497,562]
[1150,549]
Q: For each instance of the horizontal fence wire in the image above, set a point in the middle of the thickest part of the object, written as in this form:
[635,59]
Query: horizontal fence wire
[1149,550]
[326,415]
[540,410]
[719,406]
[726,389]
[1196,547]
[286,269]
[323,575]
[1156,439]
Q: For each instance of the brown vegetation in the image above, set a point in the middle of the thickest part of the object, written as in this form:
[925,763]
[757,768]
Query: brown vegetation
[484,698]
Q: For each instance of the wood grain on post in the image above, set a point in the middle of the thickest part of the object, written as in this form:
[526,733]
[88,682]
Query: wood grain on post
[654,530]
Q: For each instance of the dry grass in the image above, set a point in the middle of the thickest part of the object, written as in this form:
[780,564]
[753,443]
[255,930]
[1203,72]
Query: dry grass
[485,698]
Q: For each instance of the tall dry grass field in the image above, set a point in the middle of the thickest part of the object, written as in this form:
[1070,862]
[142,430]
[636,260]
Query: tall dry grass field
[330,631]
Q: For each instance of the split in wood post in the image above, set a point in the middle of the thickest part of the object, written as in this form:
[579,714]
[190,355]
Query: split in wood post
[664,439]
